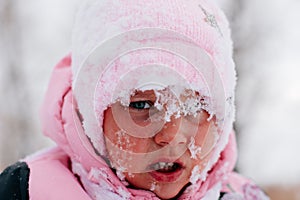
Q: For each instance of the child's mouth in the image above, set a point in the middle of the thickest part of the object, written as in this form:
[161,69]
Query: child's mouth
[166,167]
[166,171]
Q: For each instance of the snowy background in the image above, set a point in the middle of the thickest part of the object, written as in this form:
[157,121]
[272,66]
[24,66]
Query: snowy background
[34,35]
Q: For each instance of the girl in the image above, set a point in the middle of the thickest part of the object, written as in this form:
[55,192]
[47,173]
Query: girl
[142,109]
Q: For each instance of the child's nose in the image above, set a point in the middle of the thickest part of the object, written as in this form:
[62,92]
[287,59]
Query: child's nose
[170,133]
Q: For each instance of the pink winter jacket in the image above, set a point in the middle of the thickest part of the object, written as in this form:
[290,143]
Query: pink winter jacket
[52,176]
[183,35]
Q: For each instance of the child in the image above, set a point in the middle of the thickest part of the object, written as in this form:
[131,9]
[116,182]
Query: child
[142,109]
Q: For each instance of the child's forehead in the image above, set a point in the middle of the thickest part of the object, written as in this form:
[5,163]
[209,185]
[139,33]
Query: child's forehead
[153,94]
[143,94]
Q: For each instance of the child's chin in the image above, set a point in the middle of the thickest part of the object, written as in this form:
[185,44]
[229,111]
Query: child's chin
[170,191]
[166,196]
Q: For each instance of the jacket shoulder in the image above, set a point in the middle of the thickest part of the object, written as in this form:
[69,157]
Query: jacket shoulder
[51,176]
[239,187]
[14,182]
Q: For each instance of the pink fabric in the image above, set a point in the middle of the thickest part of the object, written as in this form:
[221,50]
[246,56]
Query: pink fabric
[50,179]
[99,21]
[52,173]
[58,122]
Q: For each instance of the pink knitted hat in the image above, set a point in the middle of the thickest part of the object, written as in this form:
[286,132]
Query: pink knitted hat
[123,45]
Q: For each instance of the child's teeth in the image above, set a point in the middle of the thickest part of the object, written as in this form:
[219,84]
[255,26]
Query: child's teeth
[163,165]
[170,164]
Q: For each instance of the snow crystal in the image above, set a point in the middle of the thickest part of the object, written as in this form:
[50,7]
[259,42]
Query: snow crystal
[196,175]
[179,101]
[194,150]
[121,176]
[192,104]
[96,173]
[123,139]
[153,186]
[131,175]
[97,190]
[124,194]
[123,96]
[119,164]
[167,99]
[211,115]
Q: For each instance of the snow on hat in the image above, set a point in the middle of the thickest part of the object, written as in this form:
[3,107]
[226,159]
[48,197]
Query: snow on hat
[118,44]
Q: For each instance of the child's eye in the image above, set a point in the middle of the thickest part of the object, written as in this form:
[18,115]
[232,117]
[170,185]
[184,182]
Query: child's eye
[140,105]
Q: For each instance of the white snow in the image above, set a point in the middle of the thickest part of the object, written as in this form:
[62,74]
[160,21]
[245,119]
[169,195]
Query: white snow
[196,175]
[194,149]
[153,186]
[266,36]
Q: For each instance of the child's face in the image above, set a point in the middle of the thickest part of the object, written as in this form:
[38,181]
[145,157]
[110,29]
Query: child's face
[156,153]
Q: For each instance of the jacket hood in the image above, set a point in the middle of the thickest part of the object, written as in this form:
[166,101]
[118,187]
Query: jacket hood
[113,41]
[61,122]
[123,45]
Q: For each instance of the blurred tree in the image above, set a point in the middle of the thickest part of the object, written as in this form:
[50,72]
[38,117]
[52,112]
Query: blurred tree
[15,105]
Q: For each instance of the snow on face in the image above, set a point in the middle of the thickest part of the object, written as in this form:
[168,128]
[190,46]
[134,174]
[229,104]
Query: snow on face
[194,149]
[176,146]
[184,100]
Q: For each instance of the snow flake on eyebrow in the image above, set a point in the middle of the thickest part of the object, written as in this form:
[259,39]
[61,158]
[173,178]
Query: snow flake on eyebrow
[211,20]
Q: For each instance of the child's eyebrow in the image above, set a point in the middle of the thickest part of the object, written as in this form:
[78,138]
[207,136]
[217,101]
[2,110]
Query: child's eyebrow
[146,94]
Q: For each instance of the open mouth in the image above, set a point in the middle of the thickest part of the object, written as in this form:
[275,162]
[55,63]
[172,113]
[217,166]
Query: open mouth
[166,167]
[166,171]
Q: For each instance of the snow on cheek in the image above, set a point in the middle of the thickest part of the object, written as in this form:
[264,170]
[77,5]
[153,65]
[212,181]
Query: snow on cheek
[199,174]
[194,149]
[153,186]
[121,176]
[123,140]
[131,175]
[118,163]
[120,153]
[196,175]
